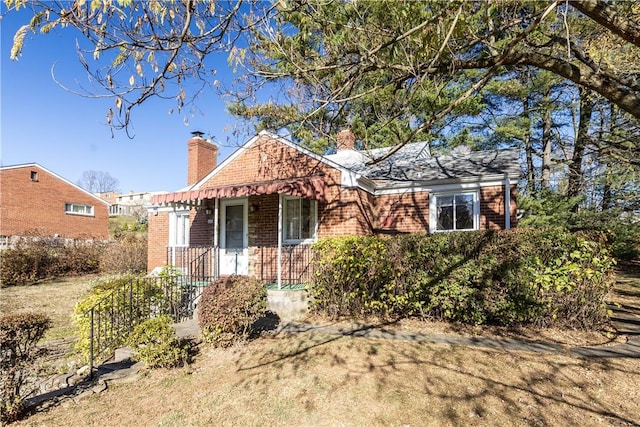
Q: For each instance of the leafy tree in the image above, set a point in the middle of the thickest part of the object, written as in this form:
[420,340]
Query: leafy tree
[340,52]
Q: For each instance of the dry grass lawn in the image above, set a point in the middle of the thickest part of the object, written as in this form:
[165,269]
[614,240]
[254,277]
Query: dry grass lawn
[55,298]
[322,380]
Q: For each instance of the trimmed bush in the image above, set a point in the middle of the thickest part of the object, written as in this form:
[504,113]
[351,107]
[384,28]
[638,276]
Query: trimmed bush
[19,334]
[35,258]
[126,255]
[157,345]
[524,276]
[229,308]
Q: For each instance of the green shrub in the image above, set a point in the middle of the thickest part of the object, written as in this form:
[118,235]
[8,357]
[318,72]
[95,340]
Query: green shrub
[352,276]
[157,345]
[229,308]
[524,276]
[19,334]
[126,255]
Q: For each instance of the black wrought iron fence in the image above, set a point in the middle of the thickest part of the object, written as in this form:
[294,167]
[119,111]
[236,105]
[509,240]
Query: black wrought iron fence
[194,261]
[112,318]
[295,264]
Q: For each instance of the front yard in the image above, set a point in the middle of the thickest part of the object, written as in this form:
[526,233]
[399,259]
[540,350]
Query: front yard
[317,379]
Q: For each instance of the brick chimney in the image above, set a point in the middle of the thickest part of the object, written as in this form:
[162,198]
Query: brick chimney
[345,140]
[202,157]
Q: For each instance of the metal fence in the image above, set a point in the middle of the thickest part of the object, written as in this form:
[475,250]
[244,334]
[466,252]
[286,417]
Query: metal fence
[194,261]
[113,317]
[294,260]
[295,264]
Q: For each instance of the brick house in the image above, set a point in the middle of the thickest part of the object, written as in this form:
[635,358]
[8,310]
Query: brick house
[257,212]
[36,200]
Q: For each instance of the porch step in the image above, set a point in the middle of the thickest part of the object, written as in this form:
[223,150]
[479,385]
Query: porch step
[287,304]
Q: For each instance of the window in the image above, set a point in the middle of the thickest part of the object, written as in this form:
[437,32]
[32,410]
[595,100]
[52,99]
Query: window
[454,211]
[34,176]
[179,229]
[78,209]
[299,219]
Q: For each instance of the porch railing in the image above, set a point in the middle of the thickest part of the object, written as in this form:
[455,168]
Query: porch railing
[294,265]
[113,317]
[195,261]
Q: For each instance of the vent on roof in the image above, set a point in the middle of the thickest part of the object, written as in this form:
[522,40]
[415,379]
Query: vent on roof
[197,134]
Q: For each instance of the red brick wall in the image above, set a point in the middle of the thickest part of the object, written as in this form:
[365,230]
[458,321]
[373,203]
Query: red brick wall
[266,160]
[27,206]
[158,238]
[202,157]
[492,207]
[403,213]
[201,233]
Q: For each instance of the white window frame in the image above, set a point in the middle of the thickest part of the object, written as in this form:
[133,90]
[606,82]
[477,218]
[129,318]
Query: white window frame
[179,227]
[78,209]
[433,209]
[313,217]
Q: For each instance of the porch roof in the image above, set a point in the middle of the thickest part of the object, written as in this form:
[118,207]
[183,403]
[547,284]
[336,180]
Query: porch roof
[308,187]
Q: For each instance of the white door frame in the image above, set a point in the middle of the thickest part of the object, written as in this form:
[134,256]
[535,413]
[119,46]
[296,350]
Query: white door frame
[236,261]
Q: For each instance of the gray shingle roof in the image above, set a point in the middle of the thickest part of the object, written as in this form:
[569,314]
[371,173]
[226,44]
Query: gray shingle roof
[413,163]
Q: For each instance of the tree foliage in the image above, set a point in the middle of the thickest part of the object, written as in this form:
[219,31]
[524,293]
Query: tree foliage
[557,79]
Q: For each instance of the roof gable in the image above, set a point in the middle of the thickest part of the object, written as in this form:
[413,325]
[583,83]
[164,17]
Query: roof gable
[267,136]
[55,175]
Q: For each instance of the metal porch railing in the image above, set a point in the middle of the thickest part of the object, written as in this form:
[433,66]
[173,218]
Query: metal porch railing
[295,265]
[112,318]
[194,261]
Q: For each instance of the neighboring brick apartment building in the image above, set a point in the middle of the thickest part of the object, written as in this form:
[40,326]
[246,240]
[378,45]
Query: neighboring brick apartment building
[272,193]
[36,200]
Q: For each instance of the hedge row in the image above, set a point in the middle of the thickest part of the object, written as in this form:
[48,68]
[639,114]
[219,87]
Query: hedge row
[541,277]
[34,259]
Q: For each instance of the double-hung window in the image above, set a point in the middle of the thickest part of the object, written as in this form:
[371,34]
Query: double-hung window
[454,211]
[179,229]
[299,217]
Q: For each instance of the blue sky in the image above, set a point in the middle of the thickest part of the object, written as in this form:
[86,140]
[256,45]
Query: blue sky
[67,134]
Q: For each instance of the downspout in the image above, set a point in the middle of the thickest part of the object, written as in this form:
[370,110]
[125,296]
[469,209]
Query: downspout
[279,241]
[507,202]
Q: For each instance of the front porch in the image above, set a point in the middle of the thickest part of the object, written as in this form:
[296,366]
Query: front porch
[286,267]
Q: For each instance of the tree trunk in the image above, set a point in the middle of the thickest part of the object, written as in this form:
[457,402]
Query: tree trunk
[547,122]
[528,149]
[576,179]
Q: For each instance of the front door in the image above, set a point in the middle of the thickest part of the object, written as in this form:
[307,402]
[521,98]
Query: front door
[233,237]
